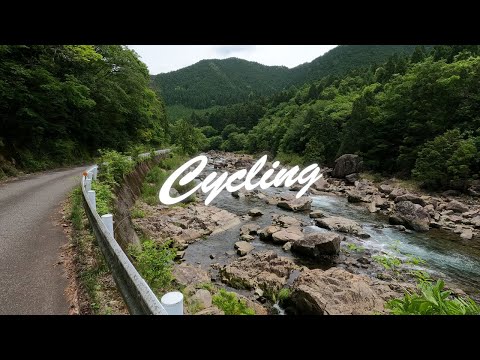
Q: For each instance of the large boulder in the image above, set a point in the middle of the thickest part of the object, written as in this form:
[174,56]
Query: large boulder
[301,204]
[411,215]
[347,164]
[457,206]
[291,234]
[264,270]
[412,198]
[243,247]
[338,292]
[318,244]
[190,275]
[337,223]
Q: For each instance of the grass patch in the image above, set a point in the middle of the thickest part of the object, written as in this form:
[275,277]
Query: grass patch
[97,289]
[354,247]
[388,262]
[230,304]
[137,213]
[432,299]
[154,261]
[104,197]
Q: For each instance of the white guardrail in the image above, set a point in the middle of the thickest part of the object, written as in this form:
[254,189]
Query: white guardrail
[136,293]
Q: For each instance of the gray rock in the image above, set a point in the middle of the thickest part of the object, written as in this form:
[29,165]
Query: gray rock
[255,212]
[412,198]
[451,193]
[385,189]
[243,247]
[347,164]
[413,216]
[203,298]
[457,206]
[355,196]
[285,220]
[351,178]
[249,229]
[266,233]
[287,246]
[246,237]
[302,204]
[212,256]
[467,234]
[396,192]
[315,214]
[180,254]
[318,244]
[341,224]
[338,292]
[188,274]
[290,234]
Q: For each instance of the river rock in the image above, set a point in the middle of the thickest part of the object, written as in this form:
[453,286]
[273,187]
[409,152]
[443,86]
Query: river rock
[318,244]
[396,192]
[413,216]
[315,214]
[246,237]
[355,196]
[341,224]
[347,164]
[410,197]
[338,292]
[385,189]
[290,234]
[449,193]
[266,233]
[285,220]
[265,270]
[287,246]
[302,204]
[372,207]
[467,234]
[243,247]
[457,206]
[351,178]
[188,274]
[249,229]
[203,298]
[321,185]
[255,212]
[475,221]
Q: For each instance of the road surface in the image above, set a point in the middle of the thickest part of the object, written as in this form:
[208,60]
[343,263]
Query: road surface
[32,279]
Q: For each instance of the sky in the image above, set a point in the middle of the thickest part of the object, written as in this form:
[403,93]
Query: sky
[165,58]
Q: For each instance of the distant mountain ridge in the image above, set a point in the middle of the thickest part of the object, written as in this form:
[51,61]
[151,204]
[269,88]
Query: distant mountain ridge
[229,81]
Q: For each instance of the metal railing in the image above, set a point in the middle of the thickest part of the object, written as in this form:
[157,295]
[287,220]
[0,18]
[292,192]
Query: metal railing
[136,293]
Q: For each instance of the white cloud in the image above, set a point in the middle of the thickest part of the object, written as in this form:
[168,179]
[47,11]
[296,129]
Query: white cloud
[165,58]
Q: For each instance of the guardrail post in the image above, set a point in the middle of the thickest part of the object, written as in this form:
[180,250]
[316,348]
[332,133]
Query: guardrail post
[107,219]
[88,184]
[89,175]
[173,303]
[91,197]
[95,173]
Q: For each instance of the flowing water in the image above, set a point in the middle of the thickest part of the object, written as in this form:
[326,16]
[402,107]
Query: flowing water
[444,255]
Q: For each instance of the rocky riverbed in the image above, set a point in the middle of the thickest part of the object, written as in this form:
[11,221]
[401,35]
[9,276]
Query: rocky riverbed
[345,247]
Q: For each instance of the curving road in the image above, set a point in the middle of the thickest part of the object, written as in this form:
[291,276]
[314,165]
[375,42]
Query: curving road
[32,279]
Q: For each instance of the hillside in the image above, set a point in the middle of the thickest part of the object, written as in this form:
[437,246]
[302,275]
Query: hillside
[220,82]
[223,82]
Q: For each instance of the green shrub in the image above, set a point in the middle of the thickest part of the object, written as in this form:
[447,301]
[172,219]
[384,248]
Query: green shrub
[283,295]
[114,166]
[230,304]
[137,213]
[154,261]
[433,300]
[104,197]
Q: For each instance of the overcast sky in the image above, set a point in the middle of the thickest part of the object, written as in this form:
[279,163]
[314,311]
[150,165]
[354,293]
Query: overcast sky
[165,58]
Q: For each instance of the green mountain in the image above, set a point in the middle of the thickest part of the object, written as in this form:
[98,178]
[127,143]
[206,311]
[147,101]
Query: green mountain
[220,82]
[223,82]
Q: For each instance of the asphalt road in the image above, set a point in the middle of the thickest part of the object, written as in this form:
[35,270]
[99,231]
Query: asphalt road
[32,281]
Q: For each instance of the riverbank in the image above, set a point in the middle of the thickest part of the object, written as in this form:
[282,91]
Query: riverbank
[318,254]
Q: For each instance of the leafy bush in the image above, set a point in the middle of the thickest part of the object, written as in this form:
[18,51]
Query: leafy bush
[137,213]
[388,262]
[230,304]
[154,261]
[104,197]
[114,166]
[433,300]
